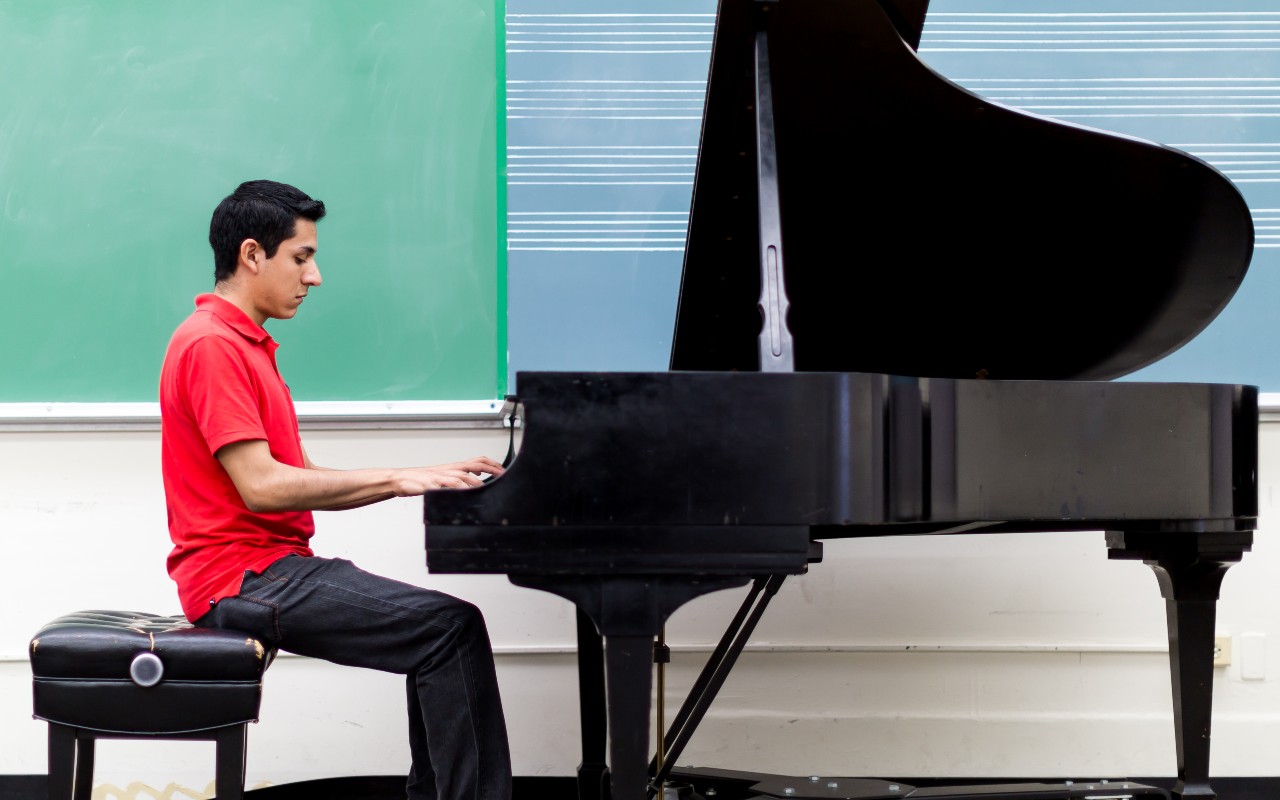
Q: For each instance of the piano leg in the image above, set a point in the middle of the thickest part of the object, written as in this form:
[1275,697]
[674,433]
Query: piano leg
[628,683]
[1190,567]
[628,611]
[593,769]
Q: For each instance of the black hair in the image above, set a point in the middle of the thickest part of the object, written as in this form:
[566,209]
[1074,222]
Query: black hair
[265,211]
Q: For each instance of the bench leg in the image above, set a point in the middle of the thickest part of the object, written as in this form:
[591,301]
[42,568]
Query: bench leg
[231,762]
[62,761]
[84,766]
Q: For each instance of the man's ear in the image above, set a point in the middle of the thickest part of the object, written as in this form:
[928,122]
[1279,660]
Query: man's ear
[251,254]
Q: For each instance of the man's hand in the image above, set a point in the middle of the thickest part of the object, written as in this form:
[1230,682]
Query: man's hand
[458,475]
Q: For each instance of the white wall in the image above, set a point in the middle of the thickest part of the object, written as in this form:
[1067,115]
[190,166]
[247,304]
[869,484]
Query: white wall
[1018,655]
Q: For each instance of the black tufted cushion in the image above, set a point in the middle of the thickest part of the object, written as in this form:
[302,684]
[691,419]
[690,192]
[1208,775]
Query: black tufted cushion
[81,668]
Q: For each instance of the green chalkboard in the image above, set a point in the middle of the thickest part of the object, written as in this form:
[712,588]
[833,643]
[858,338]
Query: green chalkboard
[123,123]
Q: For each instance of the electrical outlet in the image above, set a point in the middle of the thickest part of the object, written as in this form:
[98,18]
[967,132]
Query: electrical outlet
[1253,656]
[1221,651]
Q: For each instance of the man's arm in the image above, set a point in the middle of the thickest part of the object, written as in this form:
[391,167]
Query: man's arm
[309,464]
[267,485]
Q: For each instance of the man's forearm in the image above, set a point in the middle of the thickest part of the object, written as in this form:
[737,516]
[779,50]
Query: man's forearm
[286,488]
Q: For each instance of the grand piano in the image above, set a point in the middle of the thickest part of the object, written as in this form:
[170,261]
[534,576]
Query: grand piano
[902,312]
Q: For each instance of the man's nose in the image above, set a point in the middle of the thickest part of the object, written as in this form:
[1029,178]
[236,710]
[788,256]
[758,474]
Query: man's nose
[312,276]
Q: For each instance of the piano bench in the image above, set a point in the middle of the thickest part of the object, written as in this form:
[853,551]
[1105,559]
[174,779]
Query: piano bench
[128,675]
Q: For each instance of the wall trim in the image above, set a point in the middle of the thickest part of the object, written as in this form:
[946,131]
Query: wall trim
[312,415]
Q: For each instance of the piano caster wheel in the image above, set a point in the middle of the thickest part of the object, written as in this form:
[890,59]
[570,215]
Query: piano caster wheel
[679,791]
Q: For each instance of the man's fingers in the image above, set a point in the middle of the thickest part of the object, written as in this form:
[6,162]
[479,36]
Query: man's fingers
[482,464]
[457,479]
[454,476]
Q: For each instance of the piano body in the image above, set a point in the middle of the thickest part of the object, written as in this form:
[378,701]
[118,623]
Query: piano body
[929,351]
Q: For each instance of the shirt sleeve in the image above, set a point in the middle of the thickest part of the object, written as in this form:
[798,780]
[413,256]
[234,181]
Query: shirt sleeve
[219,389]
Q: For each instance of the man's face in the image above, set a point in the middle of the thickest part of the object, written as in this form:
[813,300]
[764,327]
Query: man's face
[284,279]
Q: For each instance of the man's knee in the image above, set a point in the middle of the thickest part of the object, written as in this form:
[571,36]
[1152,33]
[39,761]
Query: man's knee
[469,617]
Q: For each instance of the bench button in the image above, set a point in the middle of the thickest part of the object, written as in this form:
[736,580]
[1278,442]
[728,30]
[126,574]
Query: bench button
[147,669]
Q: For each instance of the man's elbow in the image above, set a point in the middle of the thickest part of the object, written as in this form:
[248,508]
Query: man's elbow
[258,506]
[263,498]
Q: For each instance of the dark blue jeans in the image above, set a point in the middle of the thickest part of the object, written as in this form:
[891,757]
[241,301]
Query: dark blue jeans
[330,609]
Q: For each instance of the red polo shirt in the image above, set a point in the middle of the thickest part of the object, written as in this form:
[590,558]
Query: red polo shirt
[219,384]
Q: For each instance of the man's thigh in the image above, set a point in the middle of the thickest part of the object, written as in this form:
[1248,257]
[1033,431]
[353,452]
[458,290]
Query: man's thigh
[331,609]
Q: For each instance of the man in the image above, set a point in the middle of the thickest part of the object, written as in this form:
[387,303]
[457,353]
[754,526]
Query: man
[240,490]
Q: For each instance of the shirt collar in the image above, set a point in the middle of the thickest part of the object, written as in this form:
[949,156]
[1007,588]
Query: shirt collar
[236,319]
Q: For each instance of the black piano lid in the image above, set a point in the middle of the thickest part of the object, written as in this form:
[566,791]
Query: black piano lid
[908,17]
[929,232]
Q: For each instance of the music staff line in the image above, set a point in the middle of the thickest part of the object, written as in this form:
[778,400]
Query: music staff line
[610,37]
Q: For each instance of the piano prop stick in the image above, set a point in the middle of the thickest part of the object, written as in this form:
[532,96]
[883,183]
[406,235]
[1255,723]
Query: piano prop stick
[775,337]
[795,411]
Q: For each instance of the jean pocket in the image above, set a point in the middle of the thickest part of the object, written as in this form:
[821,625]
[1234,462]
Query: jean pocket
[257,618]
[251,581]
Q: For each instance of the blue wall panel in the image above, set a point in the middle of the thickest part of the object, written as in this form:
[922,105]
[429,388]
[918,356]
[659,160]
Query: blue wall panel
[604,105]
